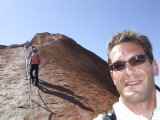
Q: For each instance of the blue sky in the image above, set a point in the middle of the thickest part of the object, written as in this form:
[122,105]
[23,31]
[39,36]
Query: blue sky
[91,23]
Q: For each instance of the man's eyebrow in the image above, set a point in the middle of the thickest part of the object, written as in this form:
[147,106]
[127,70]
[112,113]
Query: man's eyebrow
[125,61]
[117,61]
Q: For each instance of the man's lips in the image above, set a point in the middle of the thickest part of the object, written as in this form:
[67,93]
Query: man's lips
[133,83]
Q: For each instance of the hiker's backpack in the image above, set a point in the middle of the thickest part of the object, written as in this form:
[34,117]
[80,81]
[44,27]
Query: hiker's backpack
[109,115]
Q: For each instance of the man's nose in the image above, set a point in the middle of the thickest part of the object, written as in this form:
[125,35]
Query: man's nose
[129,69]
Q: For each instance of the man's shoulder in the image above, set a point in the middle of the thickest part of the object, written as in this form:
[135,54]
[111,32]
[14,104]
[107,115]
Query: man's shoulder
[100,117]
[37,53]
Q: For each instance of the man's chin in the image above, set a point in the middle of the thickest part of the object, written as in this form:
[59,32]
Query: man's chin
[132,96]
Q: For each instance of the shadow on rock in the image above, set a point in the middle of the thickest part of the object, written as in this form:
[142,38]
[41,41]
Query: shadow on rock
[44,87]
[46,108]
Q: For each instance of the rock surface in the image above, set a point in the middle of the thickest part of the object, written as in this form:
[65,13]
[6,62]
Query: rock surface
[74,83]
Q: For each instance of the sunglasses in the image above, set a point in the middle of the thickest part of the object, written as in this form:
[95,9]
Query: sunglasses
[134,61]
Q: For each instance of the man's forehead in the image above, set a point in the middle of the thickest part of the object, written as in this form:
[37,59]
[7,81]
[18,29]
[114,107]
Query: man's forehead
[125,51]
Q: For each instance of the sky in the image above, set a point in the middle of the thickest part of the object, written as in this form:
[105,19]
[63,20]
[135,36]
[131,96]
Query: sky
[91,23]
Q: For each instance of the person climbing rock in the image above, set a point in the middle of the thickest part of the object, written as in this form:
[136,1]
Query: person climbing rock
[34,63]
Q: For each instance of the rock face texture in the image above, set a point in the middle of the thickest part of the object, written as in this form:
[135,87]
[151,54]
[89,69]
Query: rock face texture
[74,83]
[3,46]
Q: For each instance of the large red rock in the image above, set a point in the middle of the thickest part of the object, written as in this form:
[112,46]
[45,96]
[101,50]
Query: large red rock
[75,83]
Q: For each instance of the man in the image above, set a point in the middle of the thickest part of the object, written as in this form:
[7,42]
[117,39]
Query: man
[132,68]
[27,44]
[35,62]
[31,52]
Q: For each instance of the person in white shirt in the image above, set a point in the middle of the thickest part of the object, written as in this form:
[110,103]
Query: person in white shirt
[132,68]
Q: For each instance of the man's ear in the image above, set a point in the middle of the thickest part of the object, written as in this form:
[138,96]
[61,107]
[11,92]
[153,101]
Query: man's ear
[155,68]
[111,73]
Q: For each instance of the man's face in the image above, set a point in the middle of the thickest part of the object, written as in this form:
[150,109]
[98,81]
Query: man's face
[34,51]
[134,83]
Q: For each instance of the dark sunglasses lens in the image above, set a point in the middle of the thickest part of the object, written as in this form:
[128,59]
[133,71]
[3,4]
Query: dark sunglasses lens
[137,60]
[118,66]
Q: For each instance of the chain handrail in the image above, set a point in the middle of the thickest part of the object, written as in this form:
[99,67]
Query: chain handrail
[29,83]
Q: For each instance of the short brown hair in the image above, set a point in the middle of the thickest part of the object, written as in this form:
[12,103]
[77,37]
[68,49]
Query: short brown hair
[130,36]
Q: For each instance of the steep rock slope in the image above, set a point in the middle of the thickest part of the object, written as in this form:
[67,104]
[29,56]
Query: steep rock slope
[69,66]
[74,83]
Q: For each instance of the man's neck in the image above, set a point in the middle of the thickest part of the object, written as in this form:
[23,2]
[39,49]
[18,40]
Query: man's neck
[145,108]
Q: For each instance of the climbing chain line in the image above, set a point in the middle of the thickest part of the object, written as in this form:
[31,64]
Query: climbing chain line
[28,78]
[29,83]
